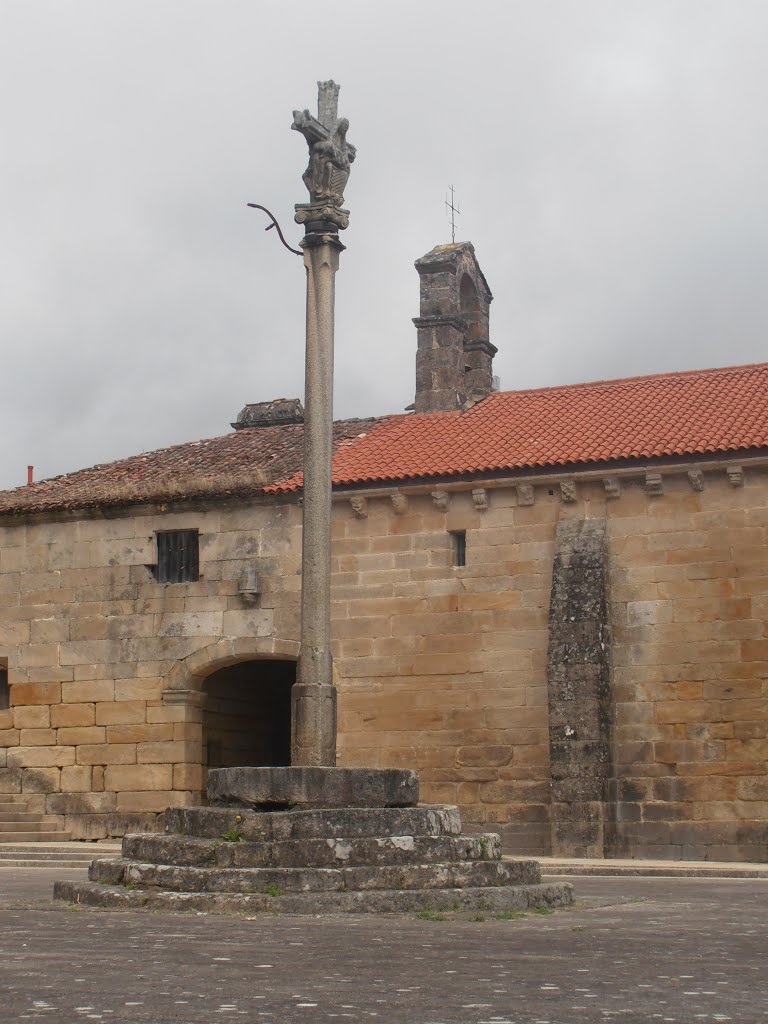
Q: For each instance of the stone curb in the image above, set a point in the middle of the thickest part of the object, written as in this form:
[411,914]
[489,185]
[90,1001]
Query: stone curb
[555,868]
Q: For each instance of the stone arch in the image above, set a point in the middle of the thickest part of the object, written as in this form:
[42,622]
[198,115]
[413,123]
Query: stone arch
[187,675]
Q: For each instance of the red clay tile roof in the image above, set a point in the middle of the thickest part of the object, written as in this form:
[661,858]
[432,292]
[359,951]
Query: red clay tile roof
[693,413]
[675,414]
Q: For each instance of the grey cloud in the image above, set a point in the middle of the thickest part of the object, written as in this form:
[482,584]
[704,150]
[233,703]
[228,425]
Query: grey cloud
[609,157]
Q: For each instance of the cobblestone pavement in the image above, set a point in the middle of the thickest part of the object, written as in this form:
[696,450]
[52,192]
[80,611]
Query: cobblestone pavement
[634,950]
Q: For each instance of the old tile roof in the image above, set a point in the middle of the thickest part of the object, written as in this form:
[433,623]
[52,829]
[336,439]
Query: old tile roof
[675,414]
[243,462]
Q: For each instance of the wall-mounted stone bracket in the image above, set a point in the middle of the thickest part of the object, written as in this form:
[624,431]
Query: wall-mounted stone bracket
[525,494]
[568,493]
[441,500]
[654,484]
[696,479]
[399,503]
[480,498]
[612,486]
[359,506]
[735,476]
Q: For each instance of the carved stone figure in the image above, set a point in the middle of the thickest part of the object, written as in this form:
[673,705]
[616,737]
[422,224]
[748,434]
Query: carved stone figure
[330,155]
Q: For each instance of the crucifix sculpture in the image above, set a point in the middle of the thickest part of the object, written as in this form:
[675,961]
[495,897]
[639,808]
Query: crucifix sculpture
[313,696]
[330,156]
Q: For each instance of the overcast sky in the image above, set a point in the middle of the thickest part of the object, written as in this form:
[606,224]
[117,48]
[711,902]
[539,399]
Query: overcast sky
[610,159]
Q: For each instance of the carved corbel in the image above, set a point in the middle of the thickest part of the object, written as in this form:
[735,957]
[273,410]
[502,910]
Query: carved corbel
[654,484]
[399,503]
[736,476]
[480,498]
[441,500]
[568,491]
[612,486]
[524,494]
[696,479]
[359,506]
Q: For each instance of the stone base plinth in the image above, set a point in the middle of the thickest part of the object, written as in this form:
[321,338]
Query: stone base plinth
[309,859]
[313,787]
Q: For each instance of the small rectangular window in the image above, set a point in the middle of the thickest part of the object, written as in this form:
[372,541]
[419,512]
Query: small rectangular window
[5,690]
[459,538]
[178,557]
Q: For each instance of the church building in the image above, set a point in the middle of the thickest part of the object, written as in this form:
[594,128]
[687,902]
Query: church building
[551,603]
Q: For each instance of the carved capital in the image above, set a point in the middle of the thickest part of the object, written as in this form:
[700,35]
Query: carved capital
[321,213]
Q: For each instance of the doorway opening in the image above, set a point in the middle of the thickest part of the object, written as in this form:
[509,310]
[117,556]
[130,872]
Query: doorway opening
[247,714]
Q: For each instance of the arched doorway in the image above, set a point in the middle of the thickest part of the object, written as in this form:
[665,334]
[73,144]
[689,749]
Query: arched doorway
[247,714]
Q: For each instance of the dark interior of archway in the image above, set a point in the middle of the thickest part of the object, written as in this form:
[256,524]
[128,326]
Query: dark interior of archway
[247,714]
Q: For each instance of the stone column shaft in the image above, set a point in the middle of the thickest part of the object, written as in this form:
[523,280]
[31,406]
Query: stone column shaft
[313,703]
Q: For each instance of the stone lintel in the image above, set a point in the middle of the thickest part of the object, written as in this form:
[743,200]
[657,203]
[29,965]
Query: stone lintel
[299,786]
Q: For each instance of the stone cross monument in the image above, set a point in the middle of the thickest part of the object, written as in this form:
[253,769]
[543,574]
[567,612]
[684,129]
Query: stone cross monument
[313,701]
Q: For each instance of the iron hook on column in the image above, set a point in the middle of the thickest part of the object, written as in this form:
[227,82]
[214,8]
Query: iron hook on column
[274,224]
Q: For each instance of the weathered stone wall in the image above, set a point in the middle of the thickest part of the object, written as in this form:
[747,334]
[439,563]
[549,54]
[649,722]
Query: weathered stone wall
[91,639]
[580,695]
[445,667]
[689,597]
[439,667]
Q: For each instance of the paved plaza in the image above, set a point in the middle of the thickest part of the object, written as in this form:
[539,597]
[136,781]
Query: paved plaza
[633,949]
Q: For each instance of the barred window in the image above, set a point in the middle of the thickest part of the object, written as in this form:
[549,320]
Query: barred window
[5,690]
[459,538]
[178,557]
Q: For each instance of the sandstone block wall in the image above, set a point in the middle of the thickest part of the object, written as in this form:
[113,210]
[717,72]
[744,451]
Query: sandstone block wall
[445,667]
[90,638]
[440,667]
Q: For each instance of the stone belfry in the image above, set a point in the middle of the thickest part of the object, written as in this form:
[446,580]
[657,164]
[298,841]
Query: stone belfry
[454,355]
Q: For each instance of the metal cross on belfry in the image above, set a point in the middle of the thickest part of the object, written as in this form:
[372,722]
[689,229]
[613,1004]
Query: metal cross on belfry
[313,695]
[453,210]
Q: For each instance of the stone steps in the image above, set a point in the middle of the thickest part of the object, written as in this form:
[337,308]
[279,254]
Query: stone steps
[487,899]
[320,853]
[298,824]
[53,854]
[284,841]
[473,874]
[20,825]
[29,823]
